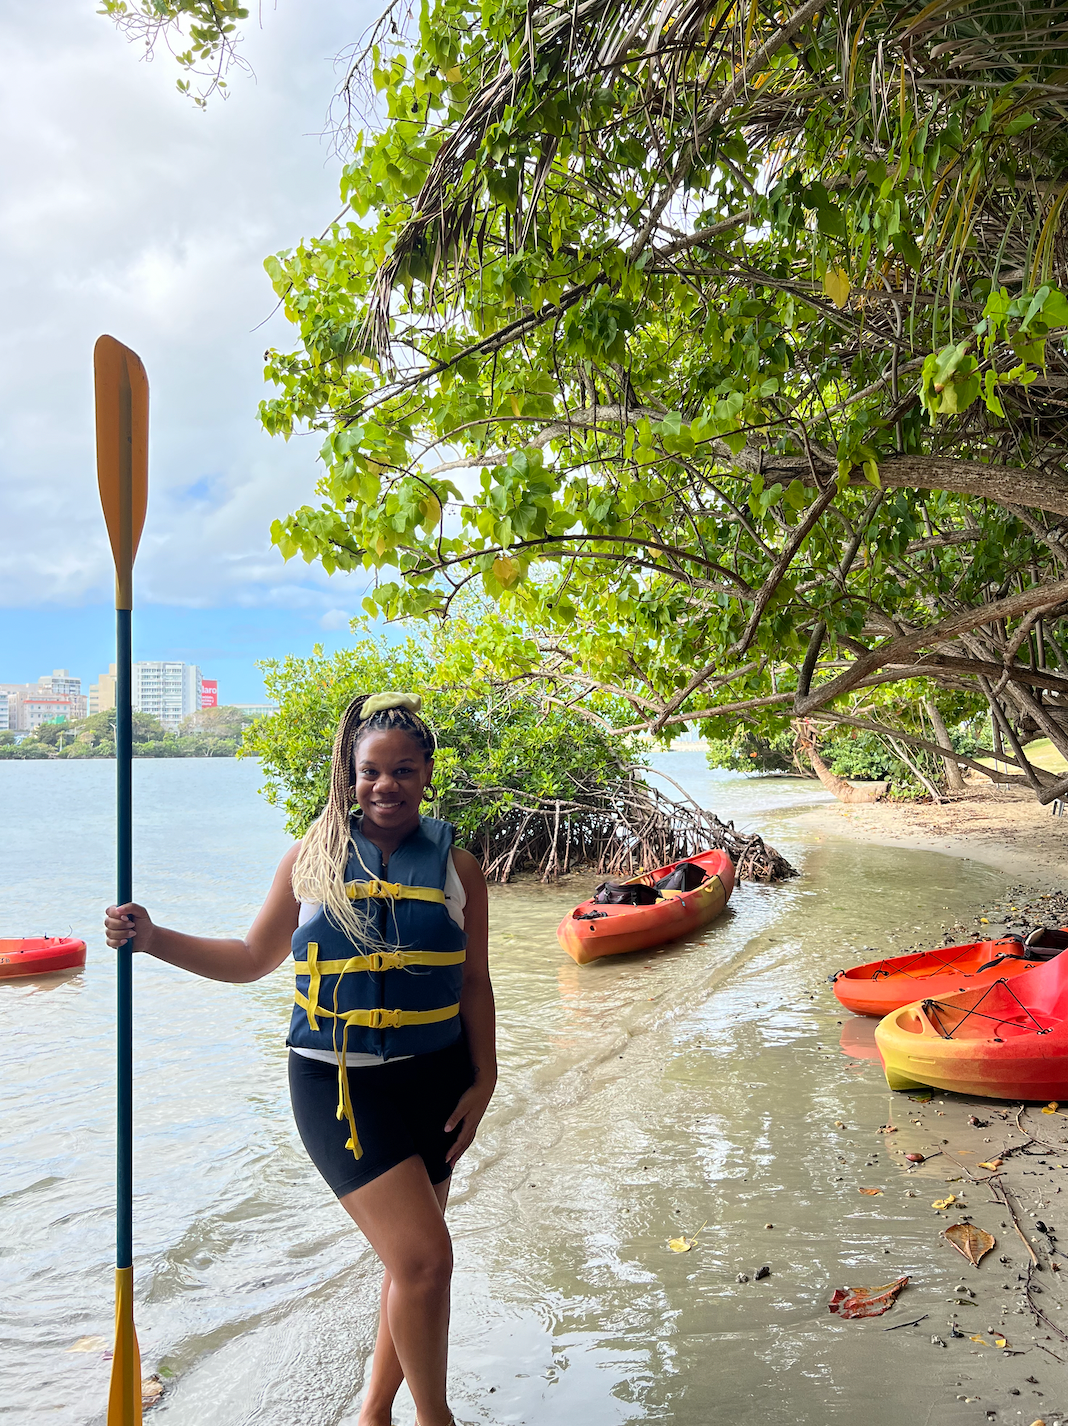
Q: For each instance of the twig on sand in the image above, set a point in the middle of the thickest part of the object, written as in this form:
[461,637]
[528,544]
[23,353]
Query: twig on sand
[1003,1198]
[1041,1316]
[915,1323]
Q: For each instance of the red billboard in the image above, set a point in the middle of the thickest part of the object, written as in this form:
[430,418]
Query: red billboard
[209,693]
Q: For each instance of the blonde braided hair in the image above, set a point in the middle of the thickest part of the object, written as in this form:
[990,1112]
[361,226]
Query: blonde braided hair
[319,870]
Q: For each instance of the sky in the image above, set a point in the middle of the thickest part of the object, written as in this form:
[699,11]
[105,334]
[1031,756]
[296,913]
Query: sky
[125,209]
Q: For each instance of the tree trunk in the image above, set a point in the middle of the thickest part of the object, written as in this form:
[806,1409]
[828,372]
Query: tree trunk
[843,790]
[953,777]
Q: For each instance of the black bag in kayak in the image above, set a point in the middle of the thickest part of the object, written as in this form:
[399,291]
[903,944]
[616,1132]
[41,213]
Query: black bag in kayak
[632,893]
[685,877]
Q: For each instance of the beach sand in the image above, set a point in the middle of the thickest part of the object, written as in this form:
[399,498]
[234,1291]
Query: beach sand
[1002,827]
[1019,1295]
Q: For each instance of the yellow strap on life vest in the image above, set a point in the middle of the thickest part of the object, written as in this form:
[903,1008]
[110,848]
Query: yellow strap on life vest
[382,960]
[358,890]
[385,1019]
[315,969]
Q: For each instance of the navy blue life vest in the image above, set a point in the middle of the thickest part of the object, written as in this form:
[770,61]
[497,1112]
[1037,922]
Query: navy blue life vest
[398,993]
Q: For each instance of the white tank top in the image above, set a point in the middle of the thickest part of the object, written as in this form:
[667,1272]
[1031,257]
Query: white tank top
[455,901]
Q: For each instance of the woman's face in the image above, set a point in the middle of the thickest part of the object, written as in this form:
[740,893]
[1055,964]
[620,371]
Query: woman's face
[391,773]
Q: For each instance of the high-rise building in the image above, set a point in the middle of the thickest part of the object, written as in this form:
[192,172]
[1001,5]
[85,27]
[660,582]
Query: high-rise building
[60,683]
[102,692]
[29,704]
[169,691]
[49,708]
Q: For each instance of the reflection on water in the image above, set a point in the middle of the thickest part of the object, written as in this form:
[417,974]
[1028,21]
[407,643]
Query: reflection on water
[640,1096]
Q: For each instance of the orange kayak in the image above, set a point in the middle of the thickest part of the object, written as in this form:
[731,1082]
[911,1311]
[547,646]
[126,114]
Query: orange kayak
[618,929]
[40,955]
[879,987]
[1008,1040]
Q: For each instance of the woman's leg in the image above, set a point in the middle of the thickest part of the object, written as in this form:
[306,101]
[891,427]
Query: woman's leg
[386,1371]
[402,1216]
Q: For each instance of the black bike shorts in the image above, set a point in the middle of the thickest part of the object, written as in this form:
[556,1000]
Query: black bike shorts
[400,1109]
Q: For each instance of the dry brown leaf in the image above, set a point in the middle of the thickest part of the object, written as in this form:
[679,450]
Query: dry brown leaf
[944,1202]
[971,1242]
[871,1192]
[992,1164]
[865,1301]
[152,1389]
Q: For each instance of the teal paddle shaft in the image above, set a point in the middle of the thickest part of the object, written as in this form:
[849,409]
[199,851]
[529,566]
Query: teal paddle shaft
[124,969]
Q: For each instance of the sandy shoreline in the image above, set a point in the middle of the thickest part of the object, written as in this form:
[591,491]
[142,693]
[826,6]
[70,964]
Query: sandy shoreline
[1002,1345]
[1003,828]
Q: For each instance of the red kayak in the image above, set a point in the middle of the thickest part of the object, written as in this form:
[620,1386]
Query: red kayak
[594,929]
[40,955]
[879,987]
[1008,1040]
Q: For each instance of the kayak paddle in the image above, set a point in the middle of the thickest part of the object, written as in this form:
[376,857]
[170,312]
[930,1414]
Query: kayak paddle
[122,472]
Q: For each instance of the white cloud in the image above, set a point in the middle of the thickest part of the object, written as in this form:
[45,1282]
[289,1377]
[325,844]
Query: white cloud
[124,209]
[335,619]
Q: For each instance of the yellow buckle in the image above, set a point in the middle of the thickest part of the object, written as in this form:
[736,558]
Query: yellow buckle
[386,960]
[384,1019]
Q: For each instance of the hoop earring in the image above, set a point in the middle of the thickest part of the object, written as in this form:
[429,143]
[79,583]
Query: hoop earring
[428,793]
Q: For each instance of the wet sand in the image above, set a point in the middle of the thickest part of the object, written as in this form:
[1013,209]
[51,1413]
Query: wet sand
[1005,828]
[1018,1296]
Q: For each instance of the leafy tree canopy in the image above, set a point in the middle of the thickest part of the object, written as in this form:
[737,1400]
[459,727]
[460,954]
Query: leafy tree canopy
[530,785]
[510,746]
[722,346]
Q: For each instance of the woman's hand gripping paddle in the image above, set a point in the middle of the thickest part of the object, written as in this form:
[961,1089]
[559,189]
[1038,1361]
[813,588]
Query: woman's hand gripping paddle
[122,471]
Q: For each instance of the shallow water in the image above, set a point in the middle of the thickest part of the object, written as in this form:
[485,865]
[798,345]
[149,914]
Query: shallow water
[639,1097]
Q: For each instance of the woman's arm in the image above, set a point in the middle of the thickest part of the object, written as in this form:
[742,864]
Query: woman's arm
[262,951]
[476,1007]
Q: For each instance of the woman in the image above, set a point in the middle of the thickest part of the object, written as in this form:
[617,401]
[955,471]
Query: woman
[392,1060]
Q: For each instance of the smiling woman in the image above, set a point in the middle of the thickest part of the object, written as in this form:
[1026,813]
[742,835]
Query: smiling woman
[392,1040]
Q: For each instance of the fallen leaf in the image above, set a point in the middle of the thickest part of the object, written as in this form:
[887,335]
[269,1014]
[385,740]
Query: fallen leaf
[992,1164]
[1051,1107]
[89,1344]
[944,1202]
[971,1242]
[684,1244]
[865,1301]
[871,1192]
[1000,1342]
[151,1389]
[916,1158]
[978,1339]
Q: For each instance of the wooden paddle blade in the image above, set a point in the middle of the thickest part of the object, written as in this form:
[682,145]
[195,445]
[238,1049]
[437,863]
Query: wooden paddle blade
[124,1398]
[121,454]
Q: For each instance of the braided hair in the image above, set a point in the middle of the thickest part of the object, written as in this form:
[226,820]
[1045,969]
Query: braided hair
[319,870]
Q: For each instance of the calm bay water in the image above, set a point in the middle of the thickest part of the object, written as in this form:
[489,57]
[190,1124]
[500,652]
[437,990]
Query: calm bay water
[639,1097]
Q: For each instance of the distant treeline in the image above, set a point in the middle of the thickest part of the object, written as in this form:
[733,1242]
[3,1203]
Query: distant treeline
[211,733]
